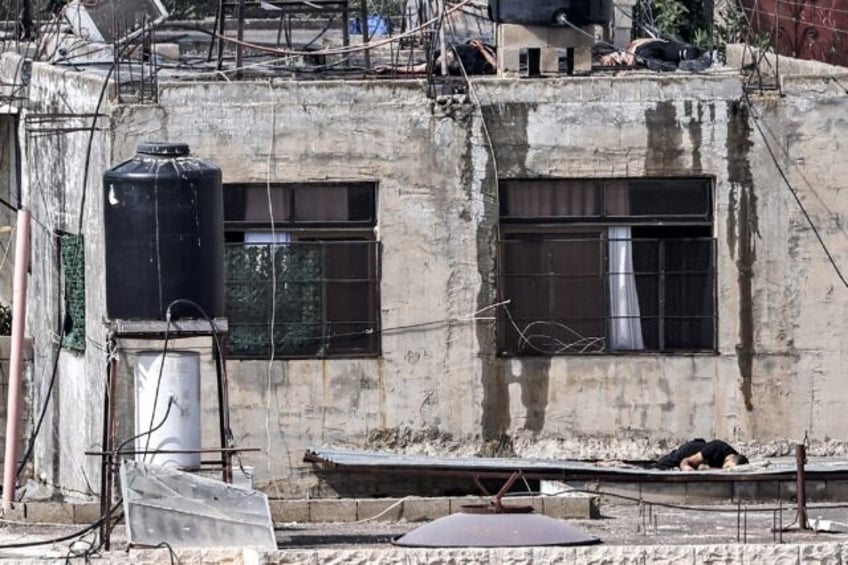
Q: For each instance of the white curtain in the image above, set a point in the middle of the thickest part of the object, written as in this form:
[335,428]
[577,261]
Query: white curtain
[625,324]
[267,237]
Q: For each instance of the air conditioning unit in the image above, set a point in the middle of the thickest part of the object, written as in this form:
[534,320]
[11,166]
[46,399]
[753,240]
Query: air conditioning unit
[549,12]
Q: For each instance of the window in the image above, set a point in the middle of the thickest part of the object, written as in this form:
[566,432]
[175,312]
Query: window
[302,270]
[606,265]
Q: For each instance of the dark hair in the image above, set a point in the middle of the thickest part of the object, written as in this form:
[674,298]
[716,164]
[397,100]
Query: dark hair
[741,459]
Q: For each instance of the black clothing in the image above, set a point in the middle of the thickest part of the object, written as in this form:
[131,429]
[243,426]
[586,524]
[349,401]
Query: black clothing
[472,60]
[669,51]
[661,55]
[713,452]
[672,460]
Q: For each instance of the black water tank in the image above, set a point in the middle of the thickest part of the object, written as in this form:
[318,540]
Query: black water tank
[549,12]
[163,214]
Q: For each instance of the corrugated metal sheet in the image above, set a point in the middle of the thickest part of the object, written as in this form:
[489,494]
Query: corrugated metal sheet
[764,470]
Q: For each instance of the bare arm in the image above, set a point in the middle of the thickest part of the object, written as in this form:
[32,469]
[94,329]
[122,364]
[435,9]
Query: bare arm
[478,45]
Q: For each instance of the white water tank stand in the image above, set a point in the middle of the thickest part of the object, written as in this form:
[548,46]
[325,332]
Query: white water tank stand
[513,38]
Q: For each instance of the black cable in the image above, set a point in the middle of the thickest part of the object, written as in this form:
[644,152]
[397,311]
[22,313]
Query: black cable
[54,370]
[171,553]
[756,120]
[159,380]
[215,338]
[67,537]
[150,431]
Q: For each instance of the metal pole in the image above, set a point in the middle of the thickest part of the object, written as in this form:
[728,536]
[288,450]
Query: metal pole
[240,35]
[800,461]
[13,406]
[363,16]
[442,44]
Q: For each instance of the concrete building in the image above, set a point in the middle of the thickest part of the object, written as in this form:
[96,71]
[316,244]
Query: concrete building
[482,306]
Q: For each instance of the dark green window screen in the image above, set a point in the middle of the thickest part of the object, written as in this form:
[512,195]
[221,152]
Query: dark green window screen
[73,268]
[302,299]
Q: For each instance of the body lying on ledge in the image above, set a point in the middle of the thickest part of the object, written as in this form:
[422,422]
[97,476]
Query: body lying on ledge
[473,57]
[700,455]
[656,54]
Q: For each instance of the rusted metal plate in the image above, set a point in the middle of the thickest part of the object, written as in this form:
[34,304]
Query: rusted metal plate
[495,530]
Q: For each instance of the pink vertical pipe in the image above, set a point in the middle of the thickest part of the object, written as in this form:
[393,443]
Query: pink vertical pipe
[13,407]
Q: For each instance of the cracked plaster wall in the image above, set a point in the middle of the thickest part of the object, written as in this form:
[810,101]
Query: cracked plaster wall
[442,388]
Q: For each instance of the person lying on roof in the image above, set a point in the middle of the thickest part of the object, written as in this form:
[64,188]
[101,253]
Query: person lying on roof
[701,455]
[474,57]
[656,54]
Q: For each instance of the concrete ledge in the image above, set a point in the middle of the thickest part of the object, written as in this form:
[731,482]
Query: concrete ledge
[789,554]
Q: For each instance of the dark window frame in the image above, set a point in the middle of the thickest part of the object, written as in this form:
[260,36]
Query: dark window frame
[549,229]
[313,241]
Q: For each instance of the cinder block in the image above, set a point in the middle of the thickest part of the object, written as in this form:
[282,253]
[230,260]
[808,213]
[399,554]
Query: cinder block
[50,512]
[774,490]
[379,509]
[837,490]
[283,511]
[457,502]
[169,50]
[567,37]
[510,35]
[86,513]
[16,512]
[709,491]
[329,510]
[664,492]
[537,503]
[816,491]
[549,61]
[509,62]
[582,60]
[578,507]
[422,509]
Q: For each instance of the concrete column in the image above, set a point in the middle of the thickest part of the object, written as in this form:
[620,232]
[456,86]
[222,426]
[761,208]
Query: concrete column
[622,22]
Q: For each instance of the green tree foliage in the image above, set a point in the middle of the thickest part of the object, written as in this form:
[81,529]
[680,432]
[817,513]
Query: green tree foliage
[694,22]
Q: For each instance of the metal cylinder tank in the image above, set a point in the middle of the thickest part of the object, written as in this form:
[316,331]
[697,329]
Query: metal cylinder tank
[164,234]
[175,382]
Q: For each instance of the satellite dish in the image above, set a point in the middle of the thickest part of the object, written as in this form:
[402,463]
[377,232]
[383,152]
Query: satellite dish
[112,20]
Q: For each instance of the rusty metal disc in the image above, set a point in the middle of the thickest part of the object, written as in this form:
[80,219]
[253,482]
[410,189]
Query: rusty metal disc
[495,530]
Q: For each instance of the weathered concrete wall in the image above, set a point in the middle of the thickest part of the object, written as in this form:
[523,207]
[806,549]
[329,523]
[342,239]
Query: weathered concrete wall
[781,320]
[798,303]
[55,185]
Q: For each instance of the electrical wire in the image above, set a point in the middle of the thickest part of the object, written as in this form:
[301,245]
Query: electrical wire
[343,50]
[792,190]
[68,537]
[273,249]
[81,217]
[150,431]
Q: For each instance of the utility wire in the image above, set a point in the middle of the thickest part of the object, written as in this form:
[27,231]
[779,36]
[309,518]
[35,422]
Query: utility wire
[792,190]
[67,537]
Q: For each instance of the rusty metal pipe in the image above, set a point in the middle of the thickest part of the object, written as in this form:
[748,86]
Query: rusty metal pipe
[13,404]
[801,482]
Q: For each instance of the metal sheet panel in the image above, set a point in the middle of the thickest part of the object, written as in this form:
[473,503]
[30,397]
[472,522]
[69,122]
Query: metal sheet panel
[186,510]
[564,469]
